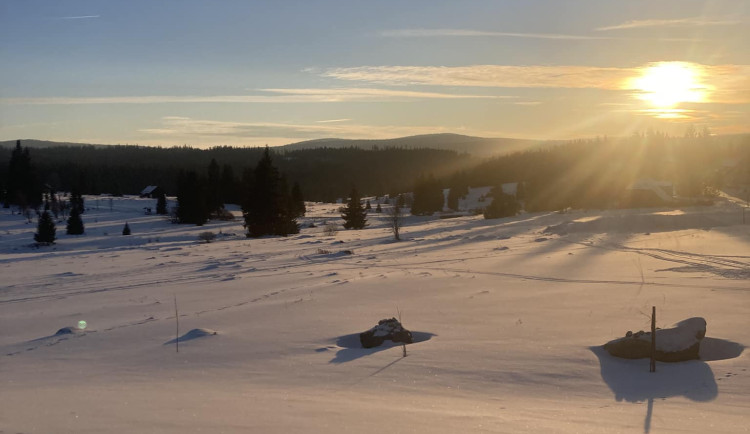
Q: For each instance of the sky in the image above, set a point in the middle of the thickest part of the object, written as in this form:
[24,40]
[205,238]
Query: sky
[251,73]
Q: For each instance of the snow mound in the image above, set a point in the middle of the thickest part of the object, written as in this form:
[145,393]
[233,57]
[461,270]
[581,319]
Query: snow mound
[194,334]
[68,331]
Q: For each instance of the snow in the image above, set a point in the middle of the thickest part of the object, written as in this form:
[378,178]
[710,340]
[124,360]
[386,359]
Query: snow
[508,329]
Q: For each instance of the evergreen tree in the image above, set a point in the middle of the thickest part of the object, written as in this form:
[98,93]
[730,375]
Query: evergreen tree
[229,185]
[367,205]
[191,199]
[76,202]
[267,207]
[45,231]
[503,205]
[161,204]
[214,197]
[378,208]
[298,201]
[428,196]
[75,224]
[23,187]
[354,214]
[126,229]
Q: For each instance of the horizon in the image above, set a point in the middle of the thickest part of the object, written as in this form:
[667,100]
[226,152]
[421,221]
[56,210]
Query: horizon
[255,74]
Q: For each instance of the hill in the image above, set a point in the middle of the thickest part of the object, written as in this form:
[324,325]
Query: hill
[478,146]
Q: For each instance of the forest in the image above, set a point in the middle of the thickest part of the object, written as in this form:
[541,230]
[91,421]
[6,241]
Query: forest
[593,173]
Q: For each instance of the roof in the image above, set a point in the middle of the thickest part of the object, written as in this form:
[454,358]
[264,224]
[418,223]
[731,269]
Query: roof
[150,189]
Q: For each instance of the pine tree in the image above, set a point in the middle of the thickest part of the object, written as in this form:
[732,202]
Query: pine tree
[126,229]
[428,196]
[45,231]
[378,208]
[191,199]
[266,208]
[161,204]
[503,205]
[76,201]
[214,197]
[298,201]
[75,224]
[229,185]
[367,205]
[23,187]
[354,215]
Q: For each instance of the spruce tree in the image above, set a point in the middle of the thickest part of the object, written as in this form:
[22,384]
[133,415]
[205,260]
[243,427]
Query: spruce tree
[297,201]
[367,205]
[45,231]
[503,205]
[191,199]
[266,209]
[354,214]
[378,208]
[214,197]
[75,224]
[126,229]
[161,204]
[428,196]
[23,187]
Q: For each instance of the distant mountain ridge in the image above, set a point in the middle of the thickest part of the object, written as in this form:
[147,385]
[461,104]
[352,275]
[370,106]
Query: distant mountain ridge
[477,146]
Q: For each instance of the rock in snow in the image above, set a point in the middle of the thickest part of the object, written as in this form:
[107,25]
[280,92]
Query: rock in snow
[678,343]
[386,329]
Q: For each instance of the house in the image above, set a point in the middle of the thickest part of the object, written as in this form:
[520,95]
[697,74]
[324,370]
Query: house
[646,192]
[152,191]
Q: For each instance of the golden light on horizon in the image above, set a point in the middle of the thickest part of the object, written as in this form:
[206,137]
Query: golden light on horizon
[666,85]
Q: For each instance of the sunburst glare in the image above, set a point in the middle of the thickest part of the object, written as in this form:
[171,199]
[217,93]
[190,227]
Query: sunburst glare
[666,85]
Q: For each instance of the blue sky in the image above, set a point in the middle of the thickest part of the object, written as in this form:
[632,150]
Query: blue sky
[251,73]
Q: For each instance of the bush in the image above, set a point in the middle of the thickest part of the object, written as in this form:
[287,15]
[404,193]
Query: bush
[207,236]
[330,229]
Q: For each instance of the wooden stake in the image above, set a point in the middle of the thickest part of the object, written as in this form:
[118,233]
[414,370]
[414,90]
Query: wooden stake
[177,321]
[652,368]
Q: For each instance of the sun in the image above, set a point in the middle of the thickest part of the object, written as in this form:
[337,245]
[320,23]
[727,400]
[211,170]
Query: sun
[665,85]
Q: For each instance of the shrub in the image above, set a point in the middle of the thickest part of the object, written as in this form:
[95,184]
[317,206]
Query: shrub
[207,236]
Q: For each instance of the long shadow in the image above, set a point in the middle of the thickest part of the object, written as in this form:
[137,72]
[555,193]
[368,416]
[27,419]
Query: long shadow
[351,348]
[631,381]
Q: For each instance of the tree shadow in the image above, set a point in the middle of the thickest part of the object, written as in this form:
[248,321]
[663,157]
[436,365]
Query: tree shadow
[631,381]
[351,349]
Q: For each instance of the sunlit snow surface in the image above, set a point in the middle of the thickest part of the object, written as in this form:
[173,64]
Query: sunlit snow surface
[508,317]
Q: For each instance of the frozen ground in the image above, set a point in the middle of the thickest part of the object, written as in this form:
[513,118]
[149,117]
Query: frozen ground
[509,314]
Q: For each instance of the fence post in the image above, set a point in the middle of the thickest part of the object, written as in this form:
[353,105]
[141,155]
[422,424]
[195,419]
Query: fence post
[652,367]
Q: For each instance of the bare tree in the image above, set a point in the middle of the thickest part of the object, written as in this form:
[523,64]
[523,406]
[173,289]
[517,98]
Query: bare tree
[395,220]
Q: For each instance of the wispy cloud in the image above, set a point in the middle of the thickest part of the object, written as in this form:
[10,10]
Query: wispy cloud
[676,22]
[330,121]
[268,96]
[78,17]
[488,76]
[728,83]
[426,33]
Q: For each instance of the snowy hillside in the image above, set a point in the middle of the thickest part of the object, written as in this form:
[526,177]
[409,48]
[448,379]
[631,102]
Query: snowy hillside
[508,315]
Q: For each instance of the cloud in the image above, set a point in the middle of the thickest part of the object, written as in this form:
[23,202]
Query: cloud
[488,76]
[330,121]
[268,96]
[424,33]
[727,83]
[678,22]
[79,17]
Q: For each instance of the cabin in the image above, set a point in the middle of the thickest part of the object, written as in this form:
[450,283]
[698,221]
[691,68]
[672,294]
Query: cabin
[152,191]
[648,192]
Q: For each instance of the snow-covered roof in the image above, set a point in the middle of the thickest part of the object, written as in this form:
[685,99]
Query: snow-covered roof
[150,189]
